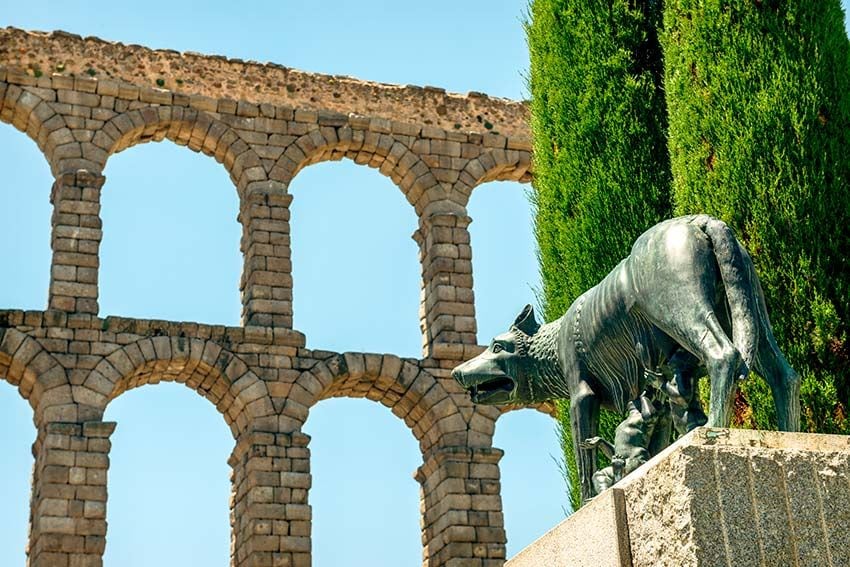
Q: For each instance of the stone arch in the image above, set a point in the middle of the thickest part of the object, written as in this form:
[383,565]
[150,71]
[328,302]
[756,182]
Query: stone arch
[35,117]
[37,375]
[184,126]
[202,365]
[484,419]
[494,165]
[380,151]
[408,390]
[548,408]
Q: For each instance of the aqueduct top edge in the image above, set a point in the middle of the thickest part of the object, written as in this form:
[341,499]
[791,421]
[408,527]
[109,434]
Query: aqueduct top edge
[58,52]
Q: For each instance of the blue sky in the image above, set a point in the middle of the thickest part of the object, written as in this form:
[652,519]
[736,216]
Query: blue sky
[171,250]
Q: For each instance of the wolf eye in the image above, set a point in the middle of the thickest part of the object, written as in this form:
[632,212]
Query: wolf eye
[497,347]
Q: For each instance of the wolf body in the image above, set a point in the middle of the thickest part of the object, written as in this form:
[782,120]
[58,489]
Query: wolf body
[689,285]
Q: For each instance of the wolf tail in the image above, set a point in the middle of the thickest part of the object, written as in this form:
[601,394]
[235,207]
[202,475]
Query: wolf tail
[737,273]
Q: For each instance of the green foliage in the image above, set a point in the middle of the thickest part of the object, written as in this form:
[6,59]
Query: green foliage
[758,94]
[598,121]
[602,173]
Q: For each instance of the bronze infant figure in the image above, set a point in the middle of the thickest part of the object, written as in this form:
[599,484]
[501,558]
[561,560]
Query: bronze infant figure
[668,401]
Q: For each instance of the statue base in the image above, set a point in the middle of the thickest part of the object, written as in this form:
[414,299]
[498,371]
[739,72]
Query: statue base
[716,497]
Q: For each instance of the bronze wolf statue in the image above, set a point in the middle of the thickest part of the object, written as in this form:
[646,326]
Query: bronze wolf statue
[687,285]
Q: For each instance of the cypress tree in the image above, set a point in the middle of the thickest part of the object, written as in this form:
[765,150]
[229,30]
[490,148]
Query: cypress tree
[602,173]
[758,94]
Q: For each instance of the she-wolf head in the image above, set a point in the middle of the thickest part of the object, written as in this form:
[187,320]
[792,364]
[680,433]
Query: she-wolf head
[502,374]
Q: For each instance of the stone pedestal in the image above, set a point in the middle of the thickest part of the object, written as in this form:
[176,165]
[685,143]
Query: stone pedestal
[595,536]
[716,497]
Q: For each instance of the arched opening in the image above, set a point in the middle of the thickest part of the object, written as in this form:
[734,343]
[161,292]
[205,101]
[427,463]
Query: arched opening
[25,242]
[169,487]
[534,496]
[170,248]
[504,257]
[355,270]
[16,472]
[506,278]
[25,249]
[364,499]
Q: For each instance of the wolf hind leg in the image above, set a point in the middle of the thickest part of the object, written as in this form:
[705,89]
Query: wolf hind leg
[723,362]
[706,339]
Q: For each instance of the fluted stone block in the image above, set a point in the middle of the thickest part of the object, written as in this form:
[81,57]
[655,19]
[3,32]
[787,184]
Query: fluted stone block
[720,497]
[598,531]
[736,497]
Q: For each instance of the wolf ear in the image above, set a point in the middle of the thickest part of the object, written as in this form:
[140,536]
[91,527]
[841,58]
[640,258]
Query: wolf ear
[525,321]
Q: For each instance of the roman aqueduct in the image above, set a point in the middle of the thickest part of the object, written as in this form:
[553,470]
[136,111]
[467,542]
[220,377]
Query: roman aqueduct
[83,100]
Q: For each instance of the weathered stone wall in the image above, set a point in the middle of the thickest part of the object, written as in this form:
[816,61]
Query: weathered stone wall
[219,77]
[263,123]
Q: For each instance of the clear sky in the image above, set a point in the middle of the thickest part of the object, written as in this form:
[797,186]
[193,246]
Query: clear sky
[171,251]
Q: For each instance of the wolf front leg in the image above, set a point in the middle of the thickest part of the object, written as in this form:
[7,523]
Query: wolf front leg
[584,420]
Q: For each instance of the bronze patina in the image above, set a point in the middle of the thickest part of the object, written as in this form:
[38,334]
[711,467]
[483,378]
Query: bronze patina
[685,303]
